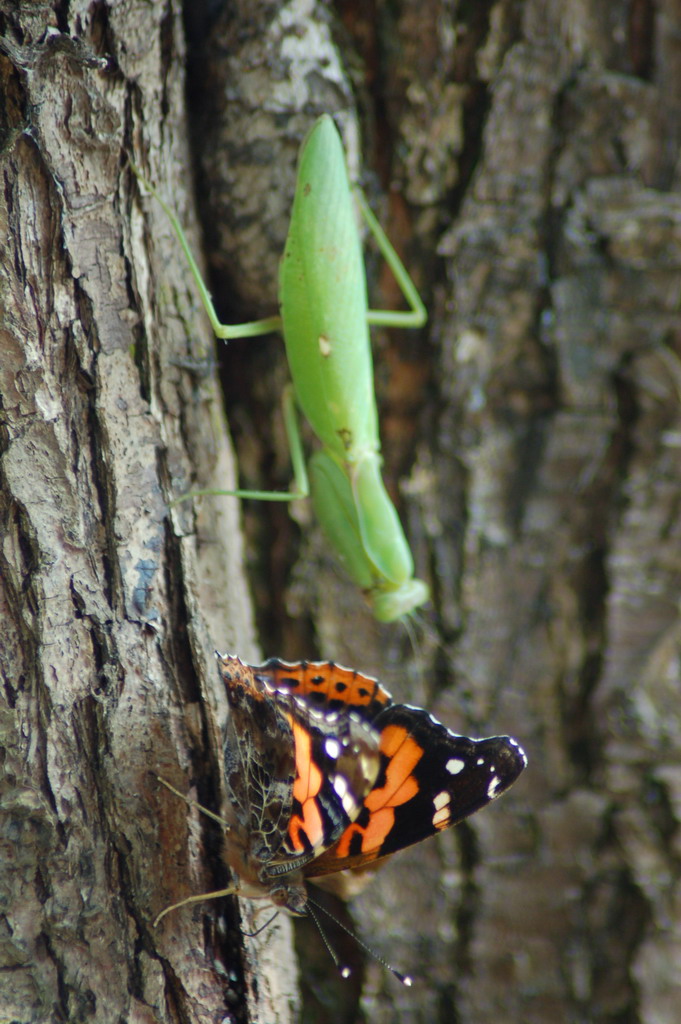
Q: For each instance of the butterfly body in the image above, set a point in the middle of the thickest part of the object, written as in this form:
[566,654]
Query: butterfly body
[324,772]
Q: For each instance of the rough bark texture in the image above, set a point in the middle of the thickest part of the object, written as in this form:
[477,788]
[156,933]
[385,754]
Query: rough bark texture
[111,601]
[524,158]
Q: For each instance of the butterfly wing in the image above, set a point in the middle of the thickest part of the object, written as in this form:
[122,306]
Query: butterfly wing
[330,710]
[337,761]
[430,778]
[297,771]
[327,685]
[362,777]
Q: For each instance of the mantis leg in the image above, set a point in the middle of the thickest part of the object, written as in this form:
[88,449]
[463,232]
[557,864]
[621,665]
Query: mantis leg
[416,316]
[225,332]
[302,486]
[230,331]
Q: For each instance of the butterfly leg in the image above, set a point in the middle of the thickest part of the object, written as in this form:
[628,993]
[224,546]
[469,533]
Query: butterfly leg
[229,891]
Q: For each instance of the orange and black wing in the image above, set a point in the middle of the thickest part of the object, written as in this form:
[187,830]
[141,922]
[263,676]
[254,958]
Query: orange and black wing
[327,685]
[429,779]
[298,770]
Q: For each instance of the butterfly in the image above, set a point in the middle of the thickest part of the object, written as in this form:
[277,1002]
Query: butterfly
[325,772]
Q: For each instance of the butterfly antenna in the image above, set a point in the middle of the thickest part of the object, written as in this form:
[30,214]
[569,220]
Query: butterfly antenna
[343,970]
[406,979]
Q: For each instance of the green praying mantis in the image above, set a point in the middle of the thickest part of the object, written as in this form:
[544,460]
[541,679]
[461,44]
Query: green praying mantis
[325,321]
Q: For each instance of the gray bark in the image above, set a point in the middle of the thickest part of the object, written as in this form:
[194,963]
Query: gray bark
[111,600]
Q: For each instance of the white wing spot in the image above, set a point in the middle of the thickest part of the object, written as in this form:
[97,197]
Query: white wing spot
[493,787]
[519,749]
[332,748]
[340,784]
[480,760]
[324,346]
[347,797]
[455,765]
[350,805]
[441,818]
[442,815]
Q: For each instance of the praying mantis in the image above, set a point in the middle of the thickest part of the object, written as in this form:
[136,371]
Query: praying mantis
[325,319]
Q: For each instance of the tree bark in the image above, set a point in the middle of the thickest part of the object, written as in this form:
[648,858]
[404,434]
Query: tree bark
[112,600]
[524,160]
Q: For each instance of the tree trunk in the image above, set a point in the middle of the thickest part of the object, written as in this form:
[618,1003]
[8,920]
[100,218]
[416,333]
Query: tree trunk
[524,160]
[112,601]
